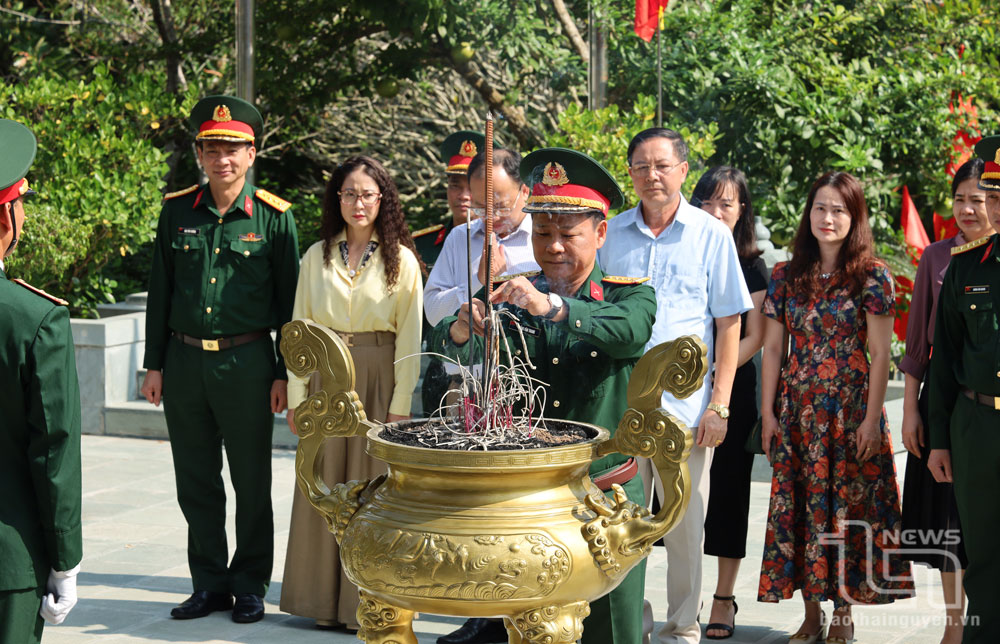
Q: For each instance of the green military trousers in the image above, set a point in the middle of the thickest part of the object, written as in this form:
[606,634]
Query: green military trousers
[975,465]
[211,399]
[616,618]
[19,618]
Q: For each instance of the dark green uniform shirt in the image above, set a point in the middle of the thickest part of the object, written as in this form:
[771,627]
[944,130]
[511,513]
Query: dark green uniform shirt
[429,242]
[39,440]
[966,341]
[586,359]
[215,275]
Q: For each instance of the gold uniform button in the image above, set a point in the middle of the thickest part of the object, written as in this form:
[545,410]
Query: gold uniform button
[208,310]
[246,253]
[593,354]
[211,281]
[186,247]
[220,220]
[518,352]
[555,403]
[555,360]
[998,374]
[579,324]
[217,251]
[972,306]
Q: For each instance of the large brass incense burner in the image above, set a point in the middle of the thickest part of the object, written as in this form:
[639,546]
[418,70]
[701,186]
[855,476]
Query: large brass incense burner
[524,535]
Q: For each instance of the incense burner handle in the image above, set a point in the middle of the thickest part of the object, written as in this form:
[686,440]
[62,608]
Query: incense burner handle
[623,532]
[334,411]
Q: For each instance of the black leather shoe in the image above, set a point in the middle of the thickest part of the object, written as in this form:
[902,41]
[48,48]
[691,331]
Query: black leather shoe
[248,609]
[477,630]
[201,603]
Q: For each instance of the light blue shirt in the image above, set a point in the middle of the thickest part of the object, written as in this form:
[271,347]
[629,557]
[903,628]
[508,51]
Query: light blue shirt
[694,268]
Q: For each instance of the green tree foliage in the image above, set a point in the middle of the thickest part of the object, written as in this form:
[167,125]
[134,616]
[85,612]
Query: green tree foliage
[97,173]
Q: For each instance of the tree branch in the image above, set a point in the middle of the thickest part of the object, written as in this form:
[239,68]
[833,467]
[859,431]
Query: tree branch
[570,28]
[526,135]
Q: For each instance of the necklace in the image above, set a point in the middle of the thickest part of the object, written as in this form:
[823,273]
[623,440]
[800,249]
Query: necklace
[825,275]
[369,249]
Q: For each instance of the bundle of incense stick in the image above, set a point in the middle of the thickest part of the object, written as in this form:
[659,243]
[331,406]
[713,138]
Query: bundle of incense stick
[489,333]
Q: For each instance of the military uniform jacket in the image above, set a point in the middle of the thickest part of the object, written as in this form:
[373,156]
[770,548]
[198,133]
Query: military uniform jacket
[39,439]
[429,242]
[586,359]
[966,341]
[219,275]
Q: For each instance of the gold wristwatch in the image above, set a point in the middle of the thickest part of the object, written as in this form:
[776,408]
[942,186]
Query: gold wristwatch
[720,409]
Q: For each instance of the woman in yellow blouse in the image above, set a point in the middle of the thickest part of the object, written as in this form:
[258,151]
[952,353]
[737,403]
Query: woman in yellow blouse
[363,278]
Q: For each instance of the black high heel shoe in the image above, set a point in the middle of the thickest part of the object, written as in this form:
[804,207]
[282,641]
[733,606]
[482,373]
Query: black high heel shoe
[723,627]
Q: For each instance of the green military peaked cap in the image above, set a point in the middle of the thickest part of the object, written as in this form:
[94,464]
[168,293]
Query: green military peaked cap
[460,148]
[226,118]
[563,180]
[988,149]
[19,147]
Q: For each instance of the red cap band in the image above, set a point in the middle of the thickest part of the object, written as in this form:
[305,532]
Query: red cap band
[231,129]
[13,192]
[569,194]
[458,163]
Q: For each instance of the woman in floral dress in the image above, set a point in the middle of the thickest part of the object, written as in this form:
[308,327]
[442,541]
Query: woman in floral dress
[834,497]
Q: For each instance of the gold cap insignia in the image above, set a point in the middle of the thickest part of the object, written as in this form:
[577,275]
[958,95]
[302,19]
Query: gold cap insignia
[554,174]
[468,149]
[222,114]
[24,187]
[996,158]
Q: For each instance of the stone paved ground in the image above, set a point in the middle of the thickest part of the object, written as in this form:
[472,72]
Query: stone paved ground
[135,570]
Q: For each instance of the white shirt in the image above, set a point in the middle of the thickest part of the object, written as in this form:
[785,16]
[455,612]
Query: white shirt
[447,285]
[694,268]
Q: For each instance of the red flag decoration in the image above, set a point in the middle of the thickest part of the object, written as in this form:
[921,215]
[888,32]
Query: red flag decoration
[904,289]
[647,17]
[913,228]
[944,228]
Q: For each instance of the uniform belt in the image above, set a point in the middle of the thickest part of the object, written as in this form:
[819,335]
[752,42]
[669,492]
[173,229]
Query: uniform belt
[218,344]
[983,399]
[620,475]
[367,339]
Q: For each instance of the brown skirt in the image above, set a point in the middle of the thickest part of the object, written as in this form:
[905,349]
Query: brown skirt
[314,585]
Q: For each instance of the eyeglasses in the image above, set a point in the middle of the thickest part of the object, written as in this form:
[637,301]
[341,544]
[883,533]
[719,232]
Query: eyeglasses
[497,212]
[662,169]
[367,198]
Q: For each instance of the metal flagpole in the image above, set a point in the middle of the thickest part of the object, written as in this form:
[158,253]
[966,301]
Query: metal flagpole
[659,75]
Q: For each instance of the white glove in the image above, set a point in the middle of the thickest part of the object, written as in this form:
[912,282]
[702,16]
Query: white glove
[61,596]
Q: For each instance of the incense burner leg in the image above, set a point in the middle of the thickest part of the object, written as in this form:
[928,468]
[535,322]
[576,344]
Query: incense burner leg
[550,624]
[513,637]
[383,623]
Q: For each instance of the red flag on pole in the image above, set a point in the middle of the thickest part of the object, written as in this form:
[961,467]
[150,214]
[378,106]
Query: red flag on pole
[647,17]
[913,228]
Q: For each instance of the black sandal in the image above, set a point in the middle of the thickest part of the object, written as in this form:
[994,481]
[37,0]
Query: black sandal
[723,627]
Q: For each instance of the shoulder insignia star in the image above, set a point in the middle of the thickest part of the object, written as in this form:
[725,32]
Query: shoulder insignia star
[625,281]
[273,200]
[507,278]
[972,244]
[38,291]
[427,231]
[180,193]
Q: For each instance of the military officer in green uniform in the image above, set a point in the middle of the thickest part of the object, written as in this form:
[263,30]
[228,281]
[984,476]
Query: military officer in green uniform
[965,403]
[225,265]
[584,331]
[457,150]
[41,541]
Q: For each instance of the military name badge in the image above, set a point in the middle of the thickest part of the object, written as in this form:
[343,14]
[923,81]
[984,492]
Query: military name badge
[554,174]
[251,237]
[530,330]
[188,231]
[976,290]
